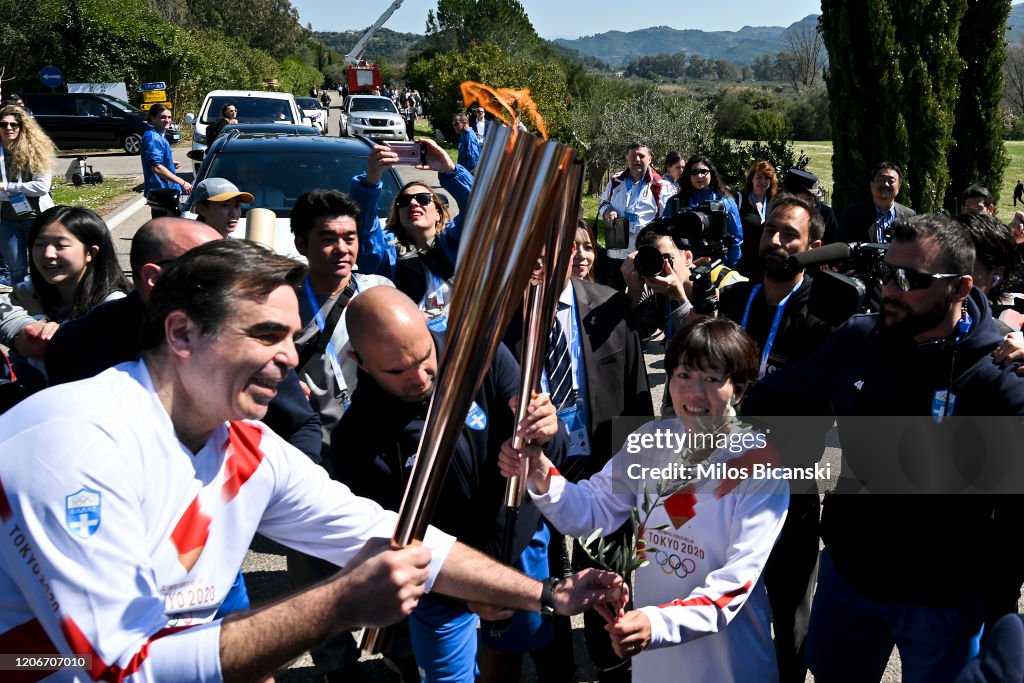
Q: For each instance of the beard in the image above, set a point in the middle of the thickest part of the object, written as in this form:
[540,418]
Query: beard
[776,267]
[913,323]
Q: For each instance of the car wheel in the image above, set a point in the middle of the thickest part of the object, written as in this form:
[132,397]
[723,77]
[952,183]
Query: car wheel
[132,144]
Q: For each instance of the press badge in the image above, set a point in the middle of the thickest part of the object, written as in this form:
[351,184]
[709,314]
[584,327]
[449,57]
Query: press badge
[438,324]
[20,204]
[943,405]
[579,438]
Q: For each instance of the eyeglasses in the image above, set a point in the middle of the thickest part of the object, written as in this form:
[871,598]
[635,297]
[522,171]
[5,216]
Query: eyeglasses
[908,280]
[699,171]
[422,198]
[10,124]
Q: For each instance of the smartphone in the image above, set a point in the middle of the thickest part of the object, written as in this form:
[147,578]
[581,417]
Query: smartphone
[412,153]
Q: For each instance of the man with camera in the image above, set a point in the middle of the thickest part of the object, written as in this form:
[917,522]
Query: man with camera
[774,311]
[889,574]
[632,199]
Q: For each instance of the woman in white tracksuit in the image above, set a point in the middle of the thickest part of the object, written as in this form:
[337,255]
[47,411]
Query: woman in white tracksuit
[702,612]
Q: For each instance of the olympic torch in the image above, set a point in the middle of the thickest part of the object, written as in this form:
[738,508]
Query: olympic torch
[514,200]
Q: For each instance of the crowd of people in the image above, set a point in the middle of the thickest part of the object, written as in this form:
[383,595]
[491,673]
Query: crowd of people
[157,426]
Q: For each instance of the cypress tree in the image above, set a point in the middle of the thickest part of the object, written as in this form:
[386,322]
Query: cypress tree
[893,81]
[977,154]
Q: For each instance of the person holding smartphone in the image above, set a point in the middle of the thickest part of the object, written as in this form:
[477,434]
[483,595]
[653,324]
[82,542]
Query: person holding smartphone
[419,247]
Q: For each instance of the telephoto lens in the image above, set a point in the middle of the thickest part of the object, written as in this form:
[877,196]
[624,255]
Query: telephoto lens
[649,261]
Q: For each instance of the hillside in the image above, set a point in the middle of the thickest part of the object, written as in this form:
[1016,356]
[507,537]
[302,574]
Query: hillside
[740,47]
[390,46]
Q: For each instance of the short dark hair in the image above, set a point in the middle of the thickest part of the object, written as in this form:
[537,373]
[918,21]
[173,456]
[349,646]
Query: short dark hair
[672,158]
[205,282]
[886,166]
[718,342]
[637,144]
[321,203]
[993,246]
[650,236]
[786,200]
[158,109]
[977,191]
[957,246]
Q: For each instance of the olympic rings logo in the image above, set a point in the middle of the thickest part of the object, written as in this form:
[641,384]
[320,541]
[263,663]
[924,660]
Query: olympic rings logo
[673,564]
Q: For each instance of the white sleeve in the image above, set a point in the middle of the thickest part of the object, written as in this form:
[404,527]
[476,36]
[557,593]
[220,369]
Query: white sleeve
[38,186]
[668,191]
[606,200]
[757,517]
[92,593]
[314,514]
[580,509]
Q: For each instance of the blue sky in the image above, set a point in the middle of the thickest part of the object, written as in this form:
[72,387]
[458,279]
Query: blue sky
[572,18]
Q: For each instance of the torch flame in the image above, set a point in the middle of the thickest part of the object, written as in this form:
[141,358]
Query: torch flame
[505,104]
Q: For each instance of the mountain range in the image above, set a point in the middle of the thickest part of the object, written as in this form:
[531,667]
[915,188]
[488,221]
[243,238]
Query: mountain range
[617,48]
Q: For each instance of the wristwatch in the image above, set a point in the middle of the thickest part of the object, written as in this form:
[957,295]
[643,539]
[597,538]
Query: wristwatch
[547,600]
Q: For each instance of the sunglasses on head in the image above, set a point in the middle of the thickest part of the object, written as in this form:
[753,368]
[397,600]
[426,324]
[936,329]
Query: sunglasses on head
[422,198]
[908,280]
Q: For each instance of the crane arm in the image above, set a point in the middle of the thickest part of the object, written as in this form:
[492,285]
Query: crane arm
[360,47]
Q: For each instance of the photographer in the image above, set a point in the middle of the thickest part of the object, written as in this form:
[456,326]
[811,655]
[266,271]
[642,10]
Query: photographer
[664,293]
[700,184]
[774,312]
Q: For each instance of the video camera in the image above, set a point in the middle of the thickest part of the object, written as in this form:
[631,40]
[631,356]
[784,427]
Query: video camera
[699,229]
[835,296]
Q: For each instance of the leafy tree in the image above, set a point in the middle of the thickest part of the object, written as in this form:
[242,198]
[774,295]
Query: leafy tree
[892,83]
[978,154]
[461,24]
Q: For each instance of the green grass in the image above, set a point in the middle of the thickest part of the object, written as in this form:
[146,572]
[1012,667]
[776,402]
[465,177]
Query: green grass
[1014,171]
[90,196]
[820,152]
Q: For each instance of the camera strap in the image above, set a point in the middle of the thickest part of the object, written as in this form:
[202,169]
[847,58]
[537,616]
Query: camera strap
[322,341]
[776,322]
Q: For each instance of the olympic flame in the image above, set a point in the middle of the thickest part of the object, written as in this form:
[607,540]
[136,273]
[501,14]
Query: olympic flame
[515,198]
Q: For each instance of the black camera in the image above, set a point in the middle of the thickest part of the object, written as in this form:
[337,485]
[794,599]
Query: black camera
[650,262]
[701,228]
[837,296]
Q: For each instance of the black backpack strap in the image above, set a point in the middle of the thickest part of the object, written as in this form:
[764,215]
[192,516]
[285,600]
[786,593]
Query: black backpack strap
[317,344]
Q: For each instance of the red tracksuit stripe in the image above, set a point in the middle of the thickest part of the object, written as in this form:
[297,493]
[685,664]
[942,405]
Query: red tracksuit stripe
[703,601]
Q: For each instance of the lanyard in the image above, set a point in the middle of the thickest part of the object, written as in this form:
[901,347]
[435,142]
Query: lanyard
[321,323]
[883,221]
[764,206]
[779,310]
[631,199]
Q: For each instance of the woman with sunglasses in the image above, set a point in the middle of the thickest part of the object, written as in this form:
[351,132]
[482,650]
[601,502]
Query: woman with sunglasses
[700,611]
[26,161]
[701,183]
[420,245]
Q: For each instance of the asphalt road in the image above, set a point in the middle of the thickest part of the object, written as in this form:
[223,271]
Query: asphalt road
[264,566]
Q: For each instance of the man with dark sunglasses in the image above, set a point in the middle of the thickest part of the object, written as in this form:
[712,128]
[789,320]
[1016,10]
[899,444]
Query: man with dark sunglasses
[888,575]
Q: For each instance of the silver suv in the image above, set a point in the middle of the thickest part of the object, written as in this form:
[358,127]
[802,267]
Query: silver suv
[373,116]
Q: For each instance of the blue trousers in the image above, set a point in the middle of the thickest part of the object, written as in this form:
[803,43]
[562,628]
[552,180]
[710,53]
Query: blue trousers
[14,246]
[851,636]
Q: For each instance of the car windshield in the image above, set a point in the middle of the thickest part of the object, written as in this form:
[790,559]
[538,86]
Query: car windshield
[251,110]
[307,103]
[120,105]
[276,179]
[373,104]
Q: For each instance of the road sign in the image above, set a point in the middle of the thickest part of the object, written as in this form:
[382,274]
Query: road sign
[51,76]
[158,85]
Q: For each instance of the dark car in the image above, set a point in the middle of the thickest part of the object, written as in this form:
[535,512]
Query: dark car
[82,120]
[277,168]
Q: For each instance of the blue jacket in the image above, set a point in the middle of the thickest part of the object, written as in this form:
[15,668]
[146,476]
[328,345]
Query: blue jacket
[156,151]
[469,149]
[733,225]
[377,255]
